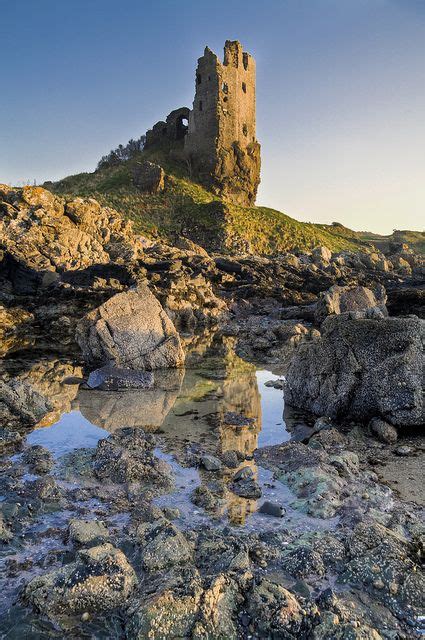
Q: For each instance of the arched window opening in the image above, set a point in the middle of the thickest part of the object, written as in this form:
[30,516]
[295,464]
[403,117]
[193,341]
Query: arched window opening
[245,130]
[225,88]
[244,87]
[182,126]
[198,78]
[200,105]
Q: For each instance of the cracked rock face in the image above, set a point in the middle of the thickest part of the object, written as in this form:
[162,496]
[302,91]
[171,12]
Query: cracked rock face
[44,235]
[361,368]
[130,330]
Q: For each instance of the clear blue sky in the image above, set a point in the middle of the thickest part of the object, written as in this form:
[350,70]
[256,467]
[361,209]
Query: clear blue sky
[340,93]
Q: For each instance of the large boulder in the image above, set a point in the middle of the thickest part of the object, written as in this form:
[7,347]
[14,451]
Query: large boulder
[361,368]
[338,300]
[130,330]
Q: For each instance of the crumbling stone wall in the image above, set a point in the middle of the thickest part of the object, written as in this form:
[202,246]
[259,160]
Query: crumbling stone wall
[220,144]
[171,133]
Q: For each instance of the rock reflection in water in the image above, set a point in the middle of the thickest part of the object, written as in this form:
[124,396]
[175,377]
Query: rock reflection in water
[147,409]
[47,375]
[187,408]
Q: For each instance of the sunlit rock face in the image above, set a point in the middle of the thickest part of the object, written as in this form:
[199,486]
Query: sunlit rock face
[44,235]
[130,330]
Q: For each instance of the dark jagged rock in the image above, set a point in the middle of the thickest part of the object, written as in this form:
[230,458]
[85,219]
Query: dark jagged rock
[361,368]
[115,379]
[21,405]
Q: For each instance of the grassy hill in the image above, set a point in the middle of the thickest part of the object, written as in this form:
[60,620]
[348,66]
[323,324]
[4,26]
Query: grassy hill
[415,239]
[187,208]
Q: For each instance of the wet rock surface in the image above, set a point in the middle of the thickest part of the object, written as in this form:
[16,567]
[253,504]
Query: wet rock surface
[123,538]
[115,379]
[193,508]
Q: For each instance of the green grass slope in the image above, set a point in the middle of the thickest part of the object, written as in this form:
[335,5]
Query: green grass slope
[186,208]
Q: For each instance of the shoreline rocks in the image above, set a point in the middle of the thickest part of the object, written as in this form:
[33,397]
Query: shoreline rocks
[361,368]
[337,300]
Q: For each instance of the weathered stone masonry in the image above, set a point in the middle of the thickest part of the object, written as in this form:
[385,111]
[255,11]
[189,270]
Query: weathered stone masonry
[217,138]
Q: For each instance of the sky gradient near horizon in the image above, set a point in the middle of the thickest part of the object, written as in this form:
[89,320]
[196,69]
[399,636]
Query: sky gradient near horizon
[340,93]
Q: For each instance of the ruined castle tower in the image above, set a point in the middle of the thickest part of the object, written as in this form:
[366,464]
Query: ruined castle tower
[217,137]
[221,144]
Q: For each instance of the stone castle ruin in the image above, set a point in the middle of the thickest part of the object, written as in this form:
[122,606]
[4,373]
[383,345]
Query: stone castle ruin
[216,139]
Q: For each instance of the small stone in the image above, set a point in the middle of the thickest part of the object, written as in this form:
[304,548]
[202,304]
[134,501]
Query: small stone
[393,587]
[383,431]
[378,584]
[85,616]
[171,513]
[243,474]
[275,384]
[404,450]
[210,463]
[272,509]
[321,424]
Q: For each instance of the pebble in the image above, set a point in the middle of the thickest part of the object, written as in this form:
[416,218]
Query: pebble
[378,584]
[404,450]
[243,474]
[211,463]
[272,509]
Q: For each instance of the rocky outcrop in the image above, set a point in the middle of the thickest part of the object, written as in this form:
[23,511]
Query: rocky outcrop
[130,330]
[361,368]
[42,235]
[338,300]
[100,579]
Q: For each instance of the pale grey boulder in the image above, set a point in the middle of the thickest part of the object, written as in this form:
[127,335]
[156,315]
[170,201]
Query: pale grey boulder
[337,300]
[87,533]
[361,368]
[130,330]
